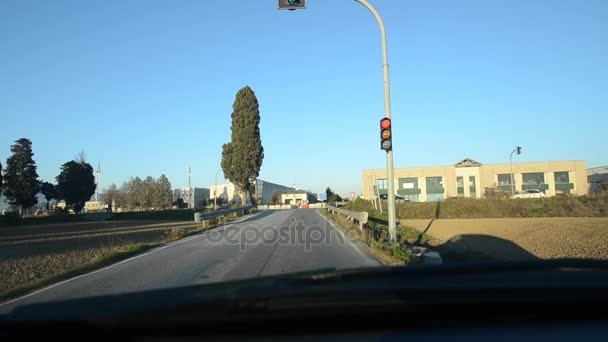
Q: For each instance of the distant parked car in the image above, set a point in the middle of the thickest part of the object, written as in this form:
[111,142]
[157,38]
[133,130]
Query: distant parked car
[531,193]
[397,198]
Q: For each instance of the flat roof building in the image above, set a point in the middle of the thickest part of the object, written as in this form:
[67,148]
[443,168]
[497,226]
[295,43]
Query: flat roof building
[296,197]
[194,200]
[262,188]
[470,178]
[596,176]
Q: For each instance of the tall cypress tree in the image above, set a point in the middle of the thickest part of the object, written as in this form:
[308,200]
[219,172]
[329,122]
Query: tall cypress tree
[242,158]
[20,176]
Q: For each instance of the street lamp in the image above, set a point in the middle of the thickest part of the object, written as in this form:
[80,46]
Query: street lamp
[392,229]
[215,191]
[518,150]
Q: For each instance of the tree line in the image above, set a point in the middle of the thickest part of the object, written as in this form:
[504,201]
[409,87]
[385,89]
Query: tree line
[138,194]
[75,184]
[20,184]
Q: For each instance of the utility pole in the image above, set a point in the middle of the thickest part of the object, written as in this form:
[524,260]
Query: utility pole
[392,227]
[518,150]
[190,204]
[98,185]
[215,191]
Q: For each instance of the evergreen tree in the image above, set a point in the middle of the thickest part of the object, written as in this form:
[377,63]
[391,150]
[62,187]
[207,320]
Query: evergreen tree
[165,194]
[21,177]
[242,158]
[49,191]
[76,183]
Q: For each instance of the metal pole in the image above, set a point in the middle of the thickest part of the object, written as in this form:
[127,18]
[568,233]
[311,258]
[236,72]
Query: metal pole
[392,229]
[215,191]
[511,171]
[190,204]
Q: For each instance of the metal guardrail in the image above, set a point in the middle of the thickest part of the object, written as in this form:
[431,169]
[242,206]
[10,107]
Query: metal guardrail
[359,216]
[201,217]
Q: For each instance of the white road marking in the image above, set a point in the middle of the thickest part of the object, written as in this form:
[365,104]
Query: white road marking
[346,238]
[154,250]
[172,244]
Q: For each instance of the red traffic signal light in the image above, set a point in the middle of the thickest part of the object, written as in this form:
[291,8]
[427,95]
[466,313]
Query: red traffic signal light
[385,123]
[386,136]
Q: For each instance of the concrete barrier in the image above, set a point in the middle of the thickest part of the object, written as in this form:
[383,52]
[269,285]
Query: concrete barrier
[360,217]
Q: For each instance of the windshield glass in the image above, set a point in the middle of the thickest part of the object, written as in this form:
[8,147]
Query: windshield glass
[153,145]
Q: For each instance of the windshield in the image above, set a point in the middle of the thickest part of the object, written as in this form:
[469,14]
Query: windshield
[153,145]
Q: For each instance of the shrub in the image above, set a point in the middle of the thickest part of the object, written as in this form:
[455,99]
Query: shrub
[175,234]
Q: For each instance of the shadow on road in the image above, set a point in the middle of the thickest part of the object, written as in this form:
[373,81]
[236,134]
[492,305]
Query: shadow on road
[477,247]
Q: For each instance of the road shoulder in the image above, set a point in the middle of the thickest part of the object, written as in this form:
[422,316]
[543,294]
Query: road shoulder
[361,247]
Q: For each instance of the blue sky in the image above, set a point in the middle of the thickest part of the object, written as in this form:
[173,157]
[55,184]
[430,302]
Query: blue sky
[146,87]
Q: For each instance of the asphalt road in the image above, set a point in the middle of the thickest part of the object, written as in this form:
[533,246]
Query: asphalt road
[265,243]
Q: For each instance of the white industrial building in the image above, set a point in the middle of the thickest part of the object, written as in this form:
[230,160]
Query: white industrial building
[193,201]
[263,191]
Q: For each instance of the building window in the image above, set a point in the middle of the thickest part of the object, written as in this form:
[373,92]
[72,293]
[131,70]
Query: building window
[382,183]
[460,186]
[504,181]
[562,177]
[534,181]
[408,183]
[382,186]
[472,187]
[434,182]
[434,189]
[408,189]
[562,183]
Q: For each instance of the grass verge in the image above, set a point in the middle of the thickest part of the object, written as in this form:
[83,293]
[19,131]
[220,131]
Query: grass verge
[113,256]
[376,238]
[99,262]
[575,206]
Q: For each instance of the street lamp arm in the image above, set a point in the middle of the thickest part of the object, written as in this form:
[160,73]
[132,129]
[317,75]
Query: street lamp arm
[380,23]
[387,99]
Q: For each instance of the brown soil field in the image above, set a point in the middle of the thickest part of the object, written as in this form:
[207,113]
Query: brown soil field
[519,238]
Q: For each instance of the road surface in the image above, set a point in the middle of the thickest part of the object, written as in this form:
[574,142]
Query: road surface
[265,243]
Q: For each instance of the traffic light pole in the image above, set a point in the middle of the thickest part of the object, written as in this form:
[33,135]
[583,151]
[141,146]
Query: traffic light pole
[511,171]
[392,227]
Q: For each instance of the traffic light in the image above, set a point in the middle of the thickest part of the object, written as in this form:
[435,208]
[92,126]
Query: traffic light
[292,4]
[518,149]
[386,136]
